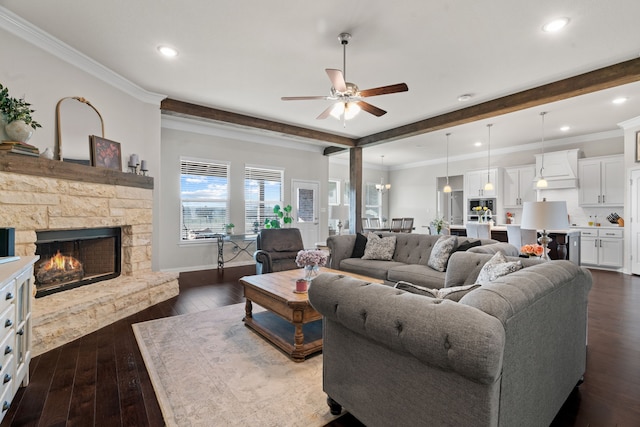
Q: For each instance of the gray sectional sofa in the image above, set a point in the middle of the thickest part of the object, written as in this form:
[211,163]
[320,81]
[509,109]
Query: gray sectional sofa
[508,353]
[409,261]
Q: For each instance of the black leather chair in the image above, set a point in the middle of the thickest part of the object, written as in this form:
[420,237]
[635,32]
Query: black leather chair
[277,249]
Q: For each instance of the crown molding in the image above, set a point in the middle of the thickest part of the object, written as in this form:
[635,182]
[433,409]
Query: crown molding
[222,130]
[23,29]
[630,124]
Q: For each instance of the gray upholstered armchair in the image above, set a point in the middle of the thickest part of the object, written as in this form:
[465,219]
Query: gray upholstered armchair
[277,249]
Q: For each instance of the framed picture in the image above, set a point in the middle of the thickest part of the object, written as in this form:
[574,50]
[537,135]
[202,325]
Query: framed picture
[637,146]
[105,153]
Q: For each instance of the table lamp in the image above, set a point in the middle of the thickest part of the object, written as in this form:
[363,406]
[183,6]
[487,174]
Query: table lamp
[545,216]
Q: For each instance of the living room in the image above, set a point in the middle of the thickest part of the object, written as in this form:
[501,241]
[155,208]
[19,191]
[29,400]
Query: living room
[48,72]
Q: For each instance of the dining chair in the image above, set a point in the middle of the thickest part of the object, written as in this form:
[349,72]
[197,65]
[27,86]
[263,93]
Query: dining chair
[478,230]
[407,225]
[374,222]
[365,223]
[396,225]
[518,236]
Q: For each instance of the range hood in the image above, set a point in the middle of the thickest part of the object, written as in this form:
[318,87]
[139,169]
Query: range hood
[560,169]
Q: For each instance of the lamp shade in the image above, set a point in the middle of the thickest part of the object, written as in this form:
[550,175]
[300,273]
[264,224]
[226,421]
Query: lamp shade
[544,216]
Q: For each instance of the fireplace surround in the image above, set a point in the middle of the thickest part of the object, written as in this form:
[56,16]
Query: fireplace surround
[40,195]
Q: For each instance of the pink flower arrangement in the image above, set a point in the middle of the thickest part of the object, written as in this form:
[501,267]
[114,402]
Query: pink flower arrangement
[311,258]
[532,250]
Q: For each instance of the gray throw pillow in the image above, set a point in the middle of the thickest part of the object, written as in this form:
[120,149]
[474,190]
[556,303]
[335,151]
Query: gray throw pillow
[454,293]
[496,267]
[441,252]
[381,248]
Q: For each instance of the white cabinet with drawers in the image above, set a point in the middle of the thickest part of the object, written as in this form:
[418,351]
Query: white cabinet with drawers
[16,278]
[602,247]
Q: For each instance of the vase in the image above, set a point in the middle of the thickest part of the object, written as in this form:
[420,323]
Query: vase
[310,272]
[18,130]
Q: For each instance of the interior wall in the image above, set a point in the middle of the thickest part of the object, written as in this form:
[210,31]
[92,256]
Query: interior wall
[43,79]
[303,163]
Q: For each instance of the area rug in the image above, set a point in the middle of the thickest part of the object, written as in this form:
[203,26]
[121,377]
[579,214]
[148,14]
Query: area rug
[208,369]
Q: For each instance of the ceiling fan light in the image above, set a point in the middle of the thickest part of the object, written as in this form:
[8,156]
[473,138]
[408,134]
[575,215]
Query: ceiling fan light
[350,110]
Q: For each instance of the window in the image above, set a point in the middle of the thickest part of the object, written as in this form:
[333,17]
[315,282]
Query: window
[372,201]
[204,198]
[333,190]
[262,191]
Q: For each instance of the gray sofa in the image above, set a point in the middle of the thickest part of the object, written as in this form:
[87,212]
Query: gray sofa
[409,261]
[507,354]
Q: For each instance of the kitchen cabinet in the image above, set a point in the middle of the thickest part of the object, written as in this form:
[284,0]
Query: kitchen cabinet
[602,247]
[16,278]
[601,181]
[518,186]
[474,182]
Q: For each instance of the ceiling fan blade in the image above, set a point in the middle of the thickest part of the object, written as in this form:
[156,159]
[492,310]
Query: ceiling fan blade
[302,98]
[384,90]
[371,109]
[325,113]
[337,79]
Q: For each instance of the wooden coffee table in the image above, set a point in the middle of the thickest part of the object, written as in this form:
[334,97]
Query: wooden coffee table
[289,321]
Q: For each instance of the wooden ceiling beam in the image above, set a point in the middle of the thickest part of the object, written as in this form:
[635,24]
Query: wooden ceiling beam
[185,109]
[593,81]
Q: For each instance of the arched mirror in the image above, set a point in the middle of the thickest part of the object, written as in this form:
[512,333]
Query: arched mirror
[76,120]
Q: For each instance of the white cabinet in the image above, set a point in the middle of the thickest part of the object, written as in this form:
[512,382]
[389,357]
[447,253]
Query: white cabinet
[602,247]
[518,186]
[16,279]
[601,181]
[474,182]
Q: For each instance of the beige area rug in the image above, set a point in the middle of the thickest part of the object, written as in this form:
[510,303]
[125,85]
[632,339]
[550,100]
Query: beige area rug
[208,369]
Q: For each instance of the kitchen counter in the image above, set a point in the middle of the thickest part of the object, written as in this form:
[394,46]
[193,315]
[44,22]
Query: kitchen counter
[565,243]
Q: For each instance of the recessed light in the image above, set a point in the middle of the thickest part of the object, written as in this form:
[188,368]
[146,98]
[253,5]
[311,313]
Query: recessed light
[555,25]
[477,143]
[167,51]
[620,100]
[565,128]
[465,97]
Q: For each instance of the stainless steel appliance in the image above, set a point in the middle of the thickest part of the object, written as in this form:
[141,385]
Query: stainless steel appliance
[472,214]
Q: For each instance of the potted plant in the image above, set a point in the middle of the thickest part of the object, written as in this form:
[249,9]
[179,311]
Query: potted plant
[283,215]
[229,227]
[16,114]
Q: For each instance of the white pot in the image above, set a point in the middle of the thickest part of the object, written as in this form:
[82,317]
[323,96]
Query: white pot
[18,130]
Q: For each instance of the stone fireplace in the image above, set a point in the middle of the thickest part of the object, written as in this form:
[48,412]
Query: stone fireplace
[40,197]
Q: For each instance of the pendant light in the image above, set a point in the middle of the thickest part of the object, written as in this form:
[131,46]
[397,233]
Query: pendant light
[542,183]
[382,187]
[447,188]
[489,186]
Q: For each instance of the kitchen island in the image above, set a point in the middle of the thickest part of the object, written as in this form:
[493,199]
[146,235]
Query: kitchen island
[565,243]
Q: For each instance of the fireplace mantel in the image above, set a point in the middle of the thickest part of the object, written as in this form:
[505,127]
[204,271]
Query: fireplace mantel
[38,166]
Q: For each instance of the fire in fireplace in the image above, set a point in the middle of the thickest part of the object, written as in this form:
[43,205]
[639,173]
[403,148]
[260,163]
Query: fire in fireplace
[72,258]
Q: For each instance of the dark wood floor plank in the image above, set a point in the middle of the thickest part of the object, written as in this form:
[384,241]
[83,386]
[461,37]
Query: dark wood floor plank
[83,399]
[56,408]
[107,393]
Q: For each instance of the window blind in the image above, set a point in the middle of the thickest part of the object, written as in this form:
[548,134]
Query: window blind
[262,191]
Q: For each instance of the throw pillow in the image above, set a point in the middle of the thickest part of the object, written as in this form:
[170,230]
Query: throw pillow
[381,248]
[454,293]
[466,245]
[497,266]
[358,248]
[441,252]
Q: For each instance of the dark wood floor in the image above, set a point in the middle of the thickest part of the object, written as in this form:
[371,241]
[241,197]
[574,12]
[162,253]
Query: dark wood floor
[101,380]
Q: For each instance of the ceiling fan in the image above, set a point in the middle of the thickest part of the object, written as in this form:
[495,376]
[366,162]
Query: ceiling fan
[348,95]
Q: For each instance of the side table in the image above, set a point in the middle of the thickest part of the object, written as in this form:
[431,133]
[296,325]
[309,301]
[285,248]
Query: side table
[240,242]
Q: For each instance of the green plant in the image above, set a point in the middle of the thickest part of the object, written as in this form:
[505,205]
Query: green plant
[229,226]
[439,224]
[283,215]
[16,109]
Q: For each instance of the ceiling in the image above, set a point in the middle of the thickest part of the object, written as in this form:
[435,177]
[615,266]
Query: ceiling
[242,57]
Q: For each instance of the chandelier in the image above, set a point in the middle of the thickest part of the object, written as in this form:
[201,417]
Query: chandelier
[382,187]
